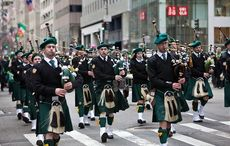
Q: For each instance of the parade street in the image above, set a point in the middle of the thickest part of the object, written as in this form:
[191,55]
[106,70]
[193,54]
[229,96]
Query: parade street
[214,131]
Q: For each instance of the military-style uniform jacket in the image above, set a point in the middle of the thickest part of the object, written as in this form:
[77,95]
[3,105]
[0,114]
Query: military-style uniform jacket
[224,57]
[138,69]
[46,79]
[15,68]
[198,68]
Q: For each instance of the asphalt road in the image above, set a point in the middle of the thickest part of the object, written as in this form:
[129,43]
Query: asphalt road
[214,131]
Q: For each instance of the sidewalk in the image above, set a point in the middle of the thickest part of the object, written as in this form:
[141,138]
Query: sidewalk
[7,106]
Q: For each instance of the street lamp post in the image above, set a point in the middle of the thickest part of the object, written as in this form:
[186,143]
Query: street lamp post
[106,20]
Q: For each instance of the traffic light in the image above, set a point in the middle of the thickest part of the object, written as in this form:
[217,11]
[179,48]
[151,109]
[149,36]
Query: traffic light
[196,23]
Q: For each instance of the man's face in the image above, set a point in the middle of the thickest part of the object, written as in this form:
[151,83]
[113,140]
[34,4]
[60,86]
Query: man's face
[162,47]
[198,49]
[103,51]
[37,59]
[174,45]
[50,50]
[30,58]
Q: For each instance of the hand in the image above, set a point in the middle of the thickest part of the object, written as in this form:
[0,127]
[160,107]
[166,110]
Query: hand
[122,73]
[60,92]
[181,81]
[176,86]
[118,77]
[68,86]
[90,73]
[206,75]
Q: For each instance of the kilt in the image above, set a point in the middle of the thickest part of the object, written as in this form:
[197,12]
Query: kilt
[16,91]
[44,119]
[31,105]
[159,108]
[79,95]
[227,94]
[189,89]
[136,92]
[121,103]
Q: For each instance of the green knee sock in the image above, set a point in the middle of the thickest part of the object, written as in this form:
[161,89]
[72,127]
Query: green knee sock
[163,135]
[49,142]
[102,121]
[81,110]
[86,110]
[140,108]
[110,120]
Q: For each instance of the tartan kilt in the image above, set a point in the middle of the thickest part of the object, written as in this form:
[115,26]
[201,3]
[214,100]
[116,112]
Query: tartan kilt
[23,94]
[43,117]
[183,103]
[136,92]
[79,97]
[189,89]
[120,102]
[32,105]
[159,108]
[227,94]
[16,91]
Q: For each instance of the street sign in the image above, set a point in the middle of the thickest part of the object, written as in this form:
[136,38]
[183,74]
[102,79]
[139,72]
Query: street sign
[107,18]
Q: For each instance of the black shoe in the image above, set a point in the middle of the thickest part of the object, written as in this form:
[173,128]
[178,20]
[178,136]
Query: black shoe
[170,133]
[81,125]
[198,121]
[92,119]
[110,136]
[26,120]
[87,124]
[104,137]
[39,143]
[19,116]
[33,130]
[140,121]
[202,117]
[148,107]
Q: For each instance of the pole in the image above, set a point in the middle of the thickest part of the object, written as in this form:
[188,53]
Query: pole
[106,30]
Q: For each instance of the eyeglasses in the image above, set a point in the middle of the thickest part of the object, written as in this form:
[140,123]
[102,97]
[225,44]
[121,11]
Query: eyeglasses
[51,46]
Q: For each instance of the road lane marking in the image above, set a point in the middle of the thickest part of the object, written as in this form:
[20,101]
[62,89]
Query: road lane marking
[207,130]
[84,139]
[31,138]
[134,139]
[188,140]
[225,122]
[205,118]
[1,112]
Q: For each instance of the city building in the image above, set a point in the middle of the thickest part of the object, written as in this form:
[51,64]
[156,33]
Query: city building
[105,21]
[66,25]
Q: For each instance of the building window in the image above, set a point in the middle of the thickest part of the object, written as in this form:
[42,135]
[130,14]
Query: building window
[222,8]
[75,8]
[219,37]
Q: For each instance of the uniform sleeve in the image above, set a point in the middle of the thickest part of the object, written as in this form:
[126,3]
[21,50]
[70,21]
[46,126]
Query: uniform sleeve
[152,73]
[78,81]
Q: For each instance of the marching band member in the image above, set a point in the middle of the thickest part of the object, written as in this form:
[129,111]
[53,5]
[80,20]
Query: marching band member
[108,98]
[53,116]
[85,95]
[166,109]
[225,60]
[198,87]
[140,82]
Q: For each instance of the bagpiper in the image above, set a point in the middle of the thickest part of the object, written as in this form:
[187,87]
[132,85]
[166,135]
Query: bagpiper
[140,82]
[109,99]
[198,88]
[225,60]
[166,107]
[53,116]
[84,96]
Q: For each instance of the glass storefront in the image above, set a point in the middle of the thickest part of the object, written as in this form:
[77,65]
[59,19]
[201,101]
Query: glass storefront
[179,23]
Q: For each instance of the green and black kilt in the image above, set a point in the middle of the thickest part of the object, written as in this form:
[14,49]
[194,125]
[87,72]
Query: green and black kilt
[23,95]
[136,92]
[44,118]
[189,89]
[79,95]
[181,98]
[79,100]
[227,94]
[120,102]
[159,108]
[31,105]
[16,91]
